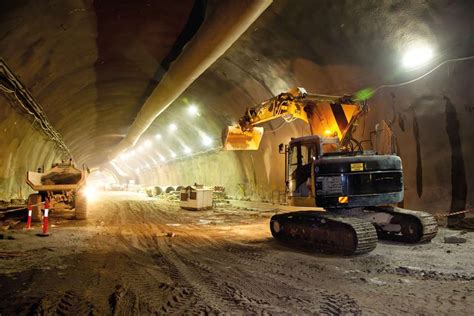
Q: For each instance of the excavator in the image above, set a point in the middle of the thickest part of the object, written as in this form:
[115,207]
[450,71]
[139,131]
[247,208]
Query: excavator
[357,189]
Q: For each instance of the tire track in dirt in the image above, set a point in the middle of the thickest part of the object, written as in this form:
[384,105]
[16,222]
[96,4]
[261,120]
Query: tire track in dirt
[69,304]
[238,259]
[172,255]
[209,297]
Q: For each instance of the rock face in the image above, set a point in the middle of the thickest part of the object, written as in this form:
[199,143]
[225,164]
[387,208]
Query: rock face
[92,66]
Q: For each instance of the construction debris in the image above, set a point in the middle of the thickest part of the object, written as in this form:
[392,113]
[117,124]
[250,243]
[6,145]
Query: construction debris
[454,240]
[9,224]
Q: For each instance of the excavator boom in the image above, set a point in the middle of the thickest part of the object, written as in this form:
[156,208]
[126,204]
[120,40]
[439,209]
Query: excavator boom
[325,115]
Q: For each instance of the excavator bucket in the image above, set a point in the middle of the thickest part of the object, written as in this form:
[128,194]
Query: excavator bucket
[234,138]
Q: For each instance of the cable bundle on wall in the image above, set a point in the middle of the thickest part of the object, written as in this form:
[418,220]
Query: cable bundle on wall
[10,84]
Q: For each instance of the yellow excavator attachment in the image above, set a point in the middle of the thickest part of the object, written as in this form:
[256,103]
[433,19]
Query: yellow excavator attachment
[234,138]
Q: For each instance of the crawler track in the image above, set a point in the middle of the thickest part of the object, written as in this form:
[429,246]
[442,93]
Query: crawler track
[336,234]
[416,226]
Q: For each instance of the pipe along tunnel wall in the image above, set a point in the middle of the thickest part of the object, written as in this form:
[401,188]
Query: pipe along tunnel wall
[338,47]
[431,118]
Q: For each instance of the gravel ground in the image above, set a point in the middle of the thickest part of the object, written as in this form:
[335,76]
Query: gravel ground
[138,255]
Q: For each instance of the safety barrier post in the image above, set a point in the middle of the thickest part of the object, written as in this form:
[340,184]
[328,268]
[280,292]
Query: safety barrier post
[45,219]
[30,211]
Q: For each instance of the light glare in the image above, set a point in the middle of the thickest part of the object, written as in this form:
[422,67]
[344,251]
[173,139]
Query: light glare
[158,136]
[148,143]
[417,55]
[193,110]
[172,127]
[206,140]
[186,149]
[91,193]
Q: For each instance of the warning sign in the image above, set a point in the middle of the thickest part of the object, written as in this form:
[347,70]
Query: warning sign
[357,166]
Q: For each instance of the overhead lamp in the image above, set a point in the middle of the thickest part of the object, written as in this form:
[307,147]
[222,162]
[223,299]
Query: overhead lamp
[172,127]
[193,110]
[206,140]
[162,158]
[173,154]
[147,143]
[417,55]
[158,136]
[186,149]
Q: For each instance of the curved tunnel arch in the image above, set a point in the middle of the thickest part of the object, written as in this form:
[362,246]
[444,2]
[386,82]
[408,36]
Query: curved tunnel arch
[93,90]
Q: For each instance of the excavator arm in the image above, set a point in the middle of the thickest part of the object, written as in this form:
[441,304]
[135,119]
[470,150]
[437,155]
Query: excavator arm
[325,115]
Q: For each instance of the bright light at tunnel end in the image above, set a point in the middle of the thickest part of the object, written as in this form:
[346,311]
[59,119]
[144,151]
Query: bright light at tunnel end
[90,192]
[417,55]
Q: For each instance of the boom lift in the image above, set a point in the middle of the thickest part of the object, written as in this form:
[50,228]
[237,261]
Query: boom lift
[329,168]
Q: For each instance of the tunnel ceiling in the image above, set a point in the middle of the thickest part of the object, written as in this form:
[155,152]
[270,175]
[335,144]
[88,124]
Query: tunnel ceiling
[91,66]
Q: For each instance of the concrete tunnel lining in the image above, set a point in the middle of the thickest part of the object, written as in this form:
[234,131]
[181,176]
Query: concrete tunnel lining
[95,68]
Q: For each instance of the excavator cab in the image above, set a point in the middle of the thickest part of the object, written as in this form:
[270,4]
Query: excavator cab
[302,153]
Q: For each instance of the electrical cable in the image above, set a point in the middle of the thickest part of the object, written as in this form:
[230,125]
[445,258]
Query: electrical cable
[395,85]
[28,105]
[402,83]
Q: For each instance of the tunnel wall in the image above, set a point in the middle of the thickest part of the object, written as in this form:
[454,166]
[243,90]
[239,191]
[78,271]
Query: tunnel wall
[92,66]
[293,46]
[24,148]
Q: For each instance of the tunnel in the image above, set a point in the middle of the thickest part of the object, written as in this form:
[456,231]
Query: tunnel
[325,148]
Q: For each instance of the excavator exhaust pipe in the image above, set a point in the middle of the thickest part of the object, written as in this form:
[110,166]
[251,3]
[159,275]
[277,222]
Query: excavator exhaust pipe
[234,138]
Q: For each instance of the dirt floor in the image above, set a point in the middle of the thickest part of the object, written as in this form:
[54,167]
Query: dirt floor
[138,255]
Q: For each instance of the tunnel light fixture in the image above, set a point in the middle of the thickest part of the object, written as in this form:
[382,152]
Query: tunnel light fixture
[186,149]
[147,143]
[417,55]
[173,154]
[140,148]
[162,158]
[172,127]
[158,136]
[206,140]
[193,110]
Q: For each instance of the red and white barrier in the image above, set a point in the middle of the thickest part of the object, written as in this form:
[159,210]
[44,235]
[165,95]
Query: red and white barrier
[30,212]
[45,219]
